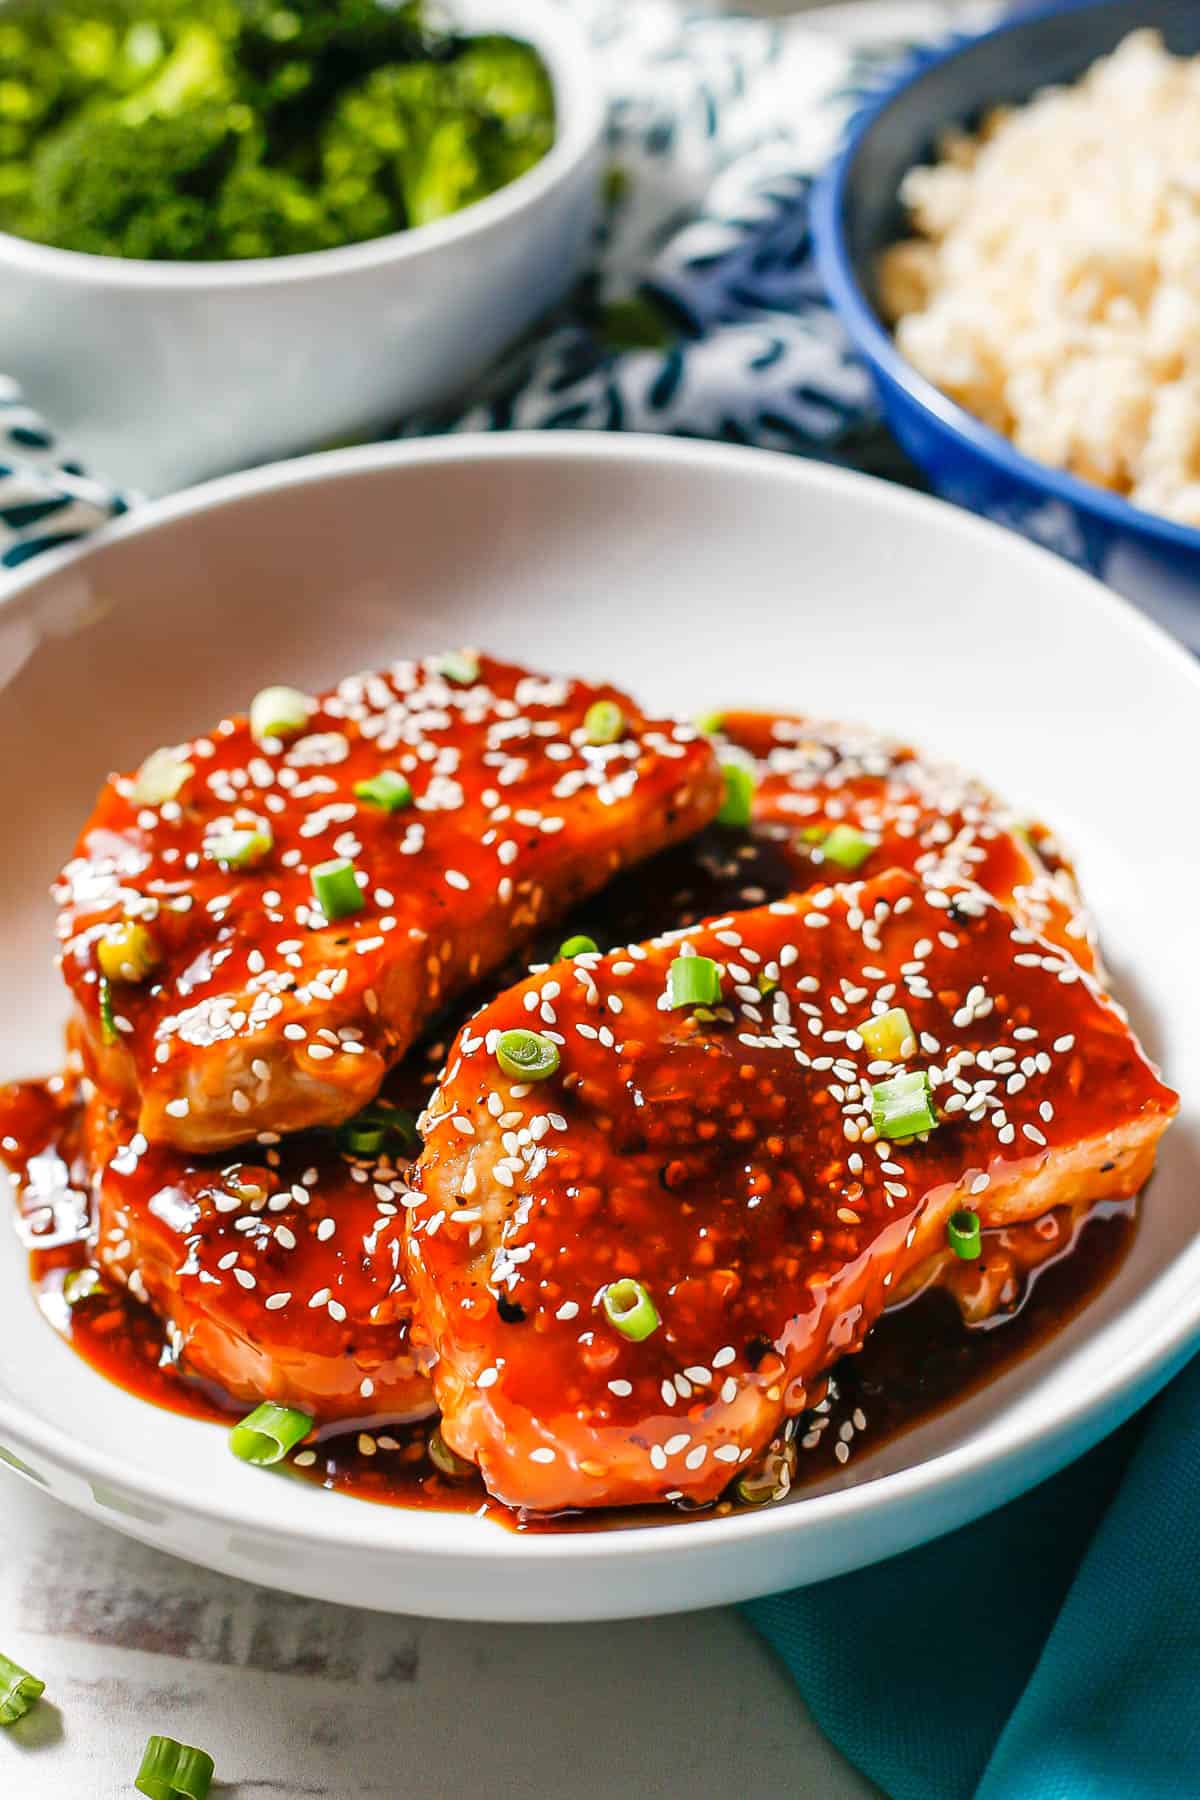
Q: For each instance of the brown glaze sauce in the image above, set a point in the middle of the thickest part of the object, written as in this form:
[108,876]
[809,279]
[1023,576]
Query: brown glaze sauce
[920,1358]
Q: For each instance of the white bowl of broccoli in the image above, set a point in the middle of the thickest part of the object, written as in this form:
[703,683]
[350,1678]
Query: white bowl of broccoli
[215,255]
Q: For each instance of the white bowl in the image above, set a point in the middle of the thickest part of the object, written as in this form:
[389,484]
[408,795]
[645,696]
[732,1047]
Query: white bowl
[699,575]
[160,373]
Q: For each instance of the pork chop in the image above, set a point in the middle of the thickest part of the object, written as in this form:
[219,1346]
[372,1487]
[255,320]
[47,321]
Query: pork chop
[257,924]
[636,1266]
[910,811]
[278,1277]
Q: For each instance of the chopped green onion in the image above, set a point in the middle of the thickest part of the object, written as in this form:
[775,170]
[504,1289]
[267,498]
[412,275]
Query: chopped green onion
[127,952]
[577,946]
[445,1460]
[241,846]
[172,1771]
[458,666]
[527,1055]
[903,1106]
[108,1023]
[962,1232]
[693,981]
[603,722]
[739,795]
[267,1434]
[813,834]
[278,712]
[362,1136]
[710,723]
[160,778]
[766,985]
[82,1284]
[772,1478]
[18,1691]
[335,888]
[628,1306]
[847,847]
[388,789]
[372,1130]
[889,1035]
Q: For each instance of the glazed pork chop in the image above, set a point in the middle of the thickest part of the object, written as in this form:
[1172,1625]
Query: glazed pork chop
[257,924]
[841,799]
[645,1225]
[279,1277]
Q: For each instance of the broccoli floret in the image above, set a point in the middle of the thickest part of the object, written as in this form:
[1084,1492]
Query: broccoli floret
[507,79]
[115,189]
[396,142]
[267,212]
[297,58]
[195,73]
[429,138]
[138,176]
[184,129]
[504,87]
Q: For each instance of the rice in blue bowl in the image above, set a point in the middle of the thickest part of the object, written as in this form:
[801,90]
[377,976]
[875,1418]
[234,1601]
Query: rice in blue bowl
[859,213]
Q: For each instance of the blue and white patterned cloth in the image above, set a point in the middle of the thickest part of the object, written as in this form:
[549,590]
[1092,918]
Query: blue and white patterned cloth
[701,314]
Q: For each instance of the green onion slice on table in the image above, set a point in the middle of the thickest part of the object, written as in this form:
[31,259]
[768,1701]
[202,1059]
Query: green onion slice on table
[173,1771]
[18,1691]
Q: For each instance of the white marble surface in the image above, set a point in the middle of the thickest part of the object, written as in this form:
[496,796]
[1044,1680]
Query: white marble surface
[297,1700]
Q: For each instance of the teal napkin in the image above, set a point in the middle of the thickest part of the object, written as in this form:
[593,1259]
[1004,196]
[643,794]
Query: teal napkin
[1050,1651]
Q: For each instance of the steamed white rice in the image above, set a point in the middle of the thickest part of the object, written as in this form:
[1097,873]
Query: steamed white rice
[1053,286]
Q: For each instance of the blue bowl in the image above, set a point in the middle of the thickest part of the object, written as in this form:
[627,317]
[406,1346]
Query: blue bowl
[857,213]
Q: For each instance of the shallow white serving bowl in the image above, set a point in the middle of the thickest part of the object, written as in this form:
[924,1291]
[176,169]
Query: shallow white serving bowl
[698,575]
[161,373]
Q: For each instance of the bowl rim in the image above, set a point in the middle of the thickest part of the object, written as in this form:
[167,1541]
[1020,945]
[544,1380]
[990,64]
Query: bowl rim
[562,42]
[1130,1378]
[878,347]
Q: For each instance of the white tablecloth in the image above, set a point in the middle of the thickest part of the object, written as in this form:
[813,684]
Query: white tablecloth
[298,1700]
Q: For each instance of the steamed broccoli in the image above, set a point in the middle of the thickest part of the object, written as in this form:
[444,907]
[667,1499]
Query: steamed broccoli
[398,143]
[431,137]
[220,129]
[114,189]
[267,212]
